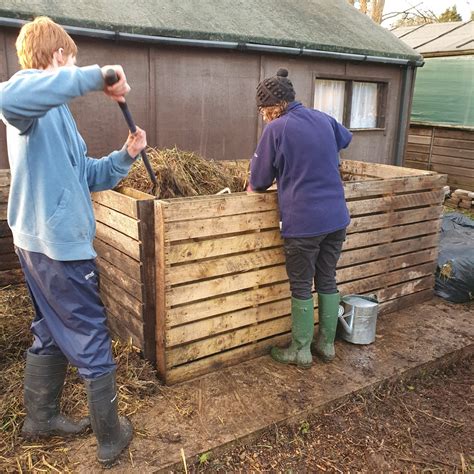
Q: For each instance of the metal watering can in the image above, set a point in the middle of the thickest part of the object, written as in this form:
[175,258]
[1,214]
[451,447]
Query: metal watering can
[358,318]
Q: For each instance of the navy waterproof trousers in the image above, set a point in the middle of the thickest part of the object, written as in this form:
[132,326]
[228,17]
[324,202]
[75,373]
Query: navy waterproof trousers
[70,317]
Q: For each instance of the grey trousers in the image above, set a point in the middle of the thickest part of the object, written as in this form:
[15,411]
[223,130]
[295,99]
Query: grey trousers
[313,260]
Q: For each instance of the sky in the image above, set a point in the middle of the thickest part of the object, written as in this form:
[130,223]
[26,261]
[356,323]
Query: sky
[464,7]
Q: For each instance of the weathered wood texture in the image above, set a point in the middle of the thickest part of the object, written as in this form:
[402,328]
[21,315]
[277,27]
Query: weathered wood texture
[10,272]
[444,150]
[125,247]
[221,291]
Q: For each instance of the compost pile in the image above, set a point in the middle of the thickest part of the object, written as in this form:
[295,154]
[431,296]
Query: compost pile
[182,174]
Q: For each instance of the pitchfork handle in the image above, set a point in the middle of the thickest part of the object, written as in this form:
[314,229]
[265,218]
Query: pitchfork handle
[110,79]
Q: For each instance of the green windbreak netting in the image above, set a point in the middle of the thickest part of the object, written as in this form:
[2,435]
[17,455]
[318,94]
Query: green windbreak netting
[444,91]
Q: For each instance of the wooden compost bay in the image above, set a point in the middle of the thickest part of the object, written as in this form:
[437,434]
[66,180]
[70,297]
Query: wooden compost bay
[199,283]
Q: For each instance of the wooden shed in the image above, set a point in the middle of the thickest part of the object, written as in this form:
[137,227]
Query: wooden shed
[441,136]
[194,67]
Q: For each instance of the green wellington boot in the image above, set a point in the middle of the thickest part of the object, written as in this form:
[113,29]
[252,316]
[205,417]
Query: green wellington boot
[302,330]
[328,308]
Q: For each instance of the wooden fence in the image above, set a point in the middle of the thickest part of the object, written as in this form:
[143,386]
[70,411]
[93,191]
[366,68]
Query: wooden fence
[444,150]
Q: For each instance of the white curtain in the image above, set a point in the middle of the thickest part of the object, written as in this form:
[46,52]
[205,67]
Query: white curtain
[329,97]
[364,105]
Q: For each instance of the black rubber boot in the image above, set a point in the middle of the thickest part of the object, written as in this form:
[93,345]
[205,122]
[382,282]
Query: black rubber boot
[113,433]
[44,381]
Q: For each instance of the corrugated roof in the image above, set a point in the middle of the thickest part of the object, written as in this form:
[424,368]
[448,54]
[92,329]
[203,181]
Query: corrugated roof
[437,39]
[325,25]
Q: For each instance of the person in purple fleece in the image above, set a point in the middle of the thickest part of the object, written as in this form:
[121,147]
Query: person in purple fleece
[299,148]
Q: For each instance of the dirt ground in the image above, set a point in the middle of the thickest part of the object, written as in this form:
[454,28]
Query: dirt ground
[424,424]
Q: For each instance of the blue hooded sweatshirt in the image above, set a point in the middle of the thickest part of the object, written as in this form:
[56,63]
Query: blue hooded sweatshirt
[300,150]
[49,208]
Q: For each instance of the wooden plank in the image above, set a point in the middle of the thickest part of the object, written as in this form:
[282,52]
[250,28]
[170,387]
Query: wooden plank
[378,170]
[365,223]
[224,304]
[147,257]
[5,178]
[455,143]
[119,222]
[406,288]
[402,302]
[394,185]
[420,140]
[11,277]
[191,251]
[4,192]
[416,165]
[122,329]
[233,356]
[127,302]
[6,246]
[412,147]
[3,212]
[135,194]
[222,205]
[120,278]
[161,268]
[222,342]
[454,134]
[9,261]
[421,157]
[118,201]
[224,266]
[222,225]
[120,241]
[454,170]
[455,153]
[227,284]
[5,230]
[450,161]
[128,265]
[456,182]
[414,130]
[202,329]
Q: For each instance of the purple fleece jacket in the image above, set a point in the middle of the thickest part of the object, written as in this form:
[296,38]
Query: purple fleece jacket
[301,150]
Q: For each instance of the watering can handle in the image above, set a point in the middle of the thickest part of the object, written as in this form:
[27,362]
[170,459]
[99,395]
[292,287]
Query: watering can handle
[344,322]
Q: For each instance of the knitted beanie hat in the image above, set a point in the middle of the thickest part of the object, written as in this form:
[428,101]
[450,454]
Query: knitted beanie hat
[275,89]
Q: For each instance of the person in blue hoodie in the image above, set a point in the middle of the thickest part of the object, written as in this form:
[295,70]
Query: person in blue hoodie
[52,221]
[299,148]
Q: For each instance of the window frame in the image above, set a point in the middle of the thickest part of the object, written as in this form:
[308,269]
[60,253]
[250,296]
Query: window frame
[383,85]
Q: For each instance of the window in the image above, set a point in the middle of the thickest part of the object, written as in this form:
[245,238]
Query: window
[356,104]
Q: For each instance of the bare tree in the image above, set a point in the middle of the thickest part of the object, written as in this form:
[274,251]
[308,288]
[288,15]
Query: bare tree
[375,11]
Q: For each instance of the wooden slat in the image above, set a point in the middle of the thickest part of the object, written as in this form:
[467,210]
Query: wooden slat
[128,265]
[119,222]
[120,278]
[3,211]
[226,284]
[224,266]
[222,205]
[219,343]
[191,251]
[9,261]
[11,277]
[5,231]
[161,268]
[224,304]
[421,140]
[124,327]
[406,288]
[450,161]
[455,143]
[377,170]
[233,356]
[455,170]
[209,327]
[118,201]
[414,130]
[454,134]
[416,165]
[365,223]
[395,185]
[4,192]
[6,245]
[5,178]
[222,225]
[120,241]
[421,157]
[454,152]
[457,182]
[402,302]
[127,302]
[146,213]
[412,147]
